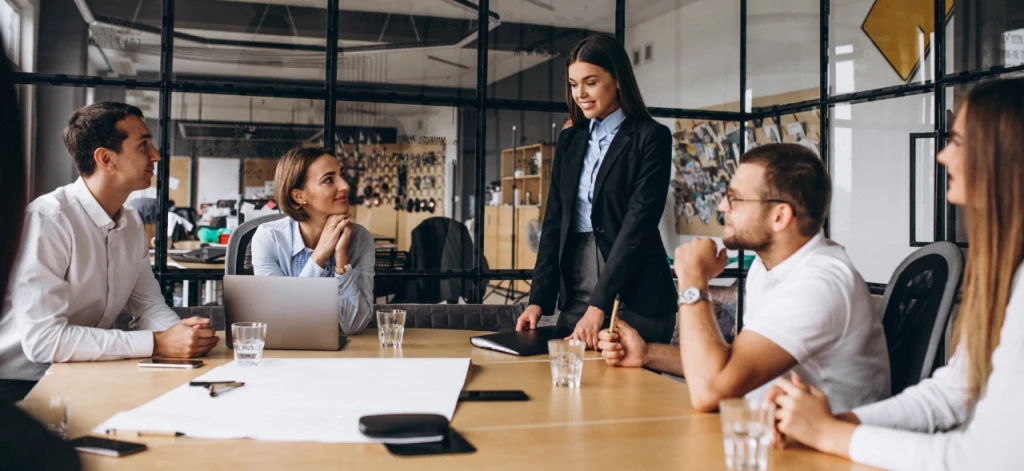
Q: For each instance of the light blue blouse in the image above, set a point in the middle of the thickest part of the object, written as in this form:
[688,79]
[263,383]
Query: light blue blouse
[601,135]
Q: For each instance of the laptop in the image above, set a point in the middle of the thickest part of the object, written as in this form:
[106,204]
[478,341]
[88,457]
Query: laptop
[201,255]
[300,313]
[523,343]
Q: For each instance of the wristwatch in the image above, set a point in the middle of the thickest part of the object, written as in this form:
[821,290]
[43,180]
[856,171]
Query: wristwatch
[345,269]
[692,295]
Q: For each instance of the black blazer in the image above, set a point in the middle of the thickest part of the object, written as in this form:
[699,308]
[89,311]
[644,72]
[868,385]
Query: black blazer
[629,197]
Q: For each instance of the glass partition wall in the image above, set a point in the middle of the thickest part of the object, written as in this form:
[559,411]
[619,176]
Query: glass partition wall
[448,111]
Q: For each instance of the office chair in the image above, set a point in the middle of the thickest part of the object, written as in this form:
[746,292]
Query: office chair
[438,244]
[239,243]
[916,311]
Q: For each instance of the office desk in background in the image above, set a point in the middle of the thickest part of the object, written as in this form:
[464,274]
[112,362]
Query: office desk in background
[619,419]
[209,286]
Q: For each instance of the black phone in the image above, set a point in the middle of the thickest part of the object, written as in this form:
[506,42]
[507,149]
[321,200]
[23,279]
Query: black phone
[170,363]
[106,446]
[493,396]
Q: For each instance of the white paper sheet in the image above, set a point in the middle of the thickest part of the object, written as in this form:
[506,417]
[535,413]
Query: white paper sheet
[315,400]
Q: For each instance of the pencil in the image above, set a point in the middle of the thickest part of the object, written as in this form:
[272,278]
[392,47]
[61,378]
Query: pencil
[615,315]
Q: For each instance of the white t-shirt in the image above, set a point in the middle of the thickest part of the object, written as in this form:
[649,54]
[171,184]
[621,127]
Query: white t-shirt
[816,306]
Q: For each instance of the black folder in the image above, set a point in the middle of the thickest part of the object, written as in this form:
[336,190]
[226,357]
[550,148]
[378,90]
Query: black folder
[523,343]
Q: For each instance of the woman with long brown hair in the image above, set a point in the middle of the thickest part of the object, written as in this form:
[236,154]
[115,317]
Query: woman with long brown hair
[966,416]
[600,238]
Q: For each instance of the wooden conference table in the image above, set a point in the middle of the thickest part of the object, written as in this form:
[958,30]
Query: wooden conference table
[618,419]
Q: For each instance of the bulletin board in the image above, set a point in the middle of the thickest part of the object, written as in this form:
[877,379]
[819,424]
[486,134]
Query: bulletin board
[179,181]
[706,154]
[259,178]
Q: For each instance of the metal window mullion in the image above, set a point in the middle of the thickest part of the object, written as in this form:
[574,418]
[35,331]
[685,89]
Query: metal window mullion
[164,166]
[483,44]
[331,78]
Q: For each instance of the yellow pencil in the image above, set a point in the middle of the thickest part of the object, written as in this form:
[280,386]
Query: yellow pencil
[615,315]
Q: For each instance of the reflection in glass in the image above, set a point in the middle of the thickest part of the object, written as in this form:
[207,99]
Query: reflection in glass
[108,38]
[695,60]
[870,160]
[239,41]
[527,51]
[783,51]
[409,46]
[985,33]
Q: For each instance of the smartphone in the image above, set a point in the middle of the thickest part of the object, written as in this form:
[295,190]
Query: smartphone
[165,363]
[106,446]
[493,396]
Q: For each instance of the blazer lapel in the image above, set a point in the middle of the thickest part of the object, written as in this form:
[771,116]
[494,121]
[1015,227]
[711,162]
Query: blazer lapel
[573,168]
[618,146]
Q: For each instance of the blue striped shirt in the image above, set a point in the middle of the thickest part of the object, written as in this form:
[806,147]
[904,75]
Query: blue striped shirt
[278,250]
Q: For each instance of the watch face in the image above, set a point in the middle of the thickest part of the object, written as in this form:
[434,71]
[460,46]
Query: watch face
[690,295]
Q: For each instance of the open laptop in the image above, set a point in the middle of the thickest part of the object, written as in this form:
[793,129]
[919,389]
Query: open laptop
[300,313]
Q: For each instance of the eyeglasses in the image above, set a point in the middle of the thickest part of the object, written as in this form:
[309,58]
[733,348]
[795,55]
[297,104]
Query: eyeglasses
[732,200]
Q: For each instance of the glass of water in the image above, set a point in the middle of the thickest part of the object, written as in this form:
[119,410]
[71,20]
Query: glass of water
[566,362]
[391,327]
[746,432]
[248,338]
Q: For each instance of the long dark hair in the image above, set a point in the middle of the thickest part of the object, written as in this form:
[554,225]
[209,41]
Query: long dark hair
[993,172]
[607,53]
[12,171]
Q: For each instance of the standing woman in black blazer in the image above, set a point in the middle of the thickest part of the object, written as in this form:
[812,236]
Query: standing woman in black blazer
[609,184]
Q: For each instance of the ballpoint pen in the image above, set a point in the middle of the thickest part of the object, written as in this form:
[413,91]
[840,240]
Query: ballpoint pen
[142,433]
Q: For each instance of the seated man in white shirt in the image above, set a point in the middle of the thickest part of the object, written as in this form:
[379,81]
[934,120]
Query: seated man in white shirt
[808,309]
[84,260]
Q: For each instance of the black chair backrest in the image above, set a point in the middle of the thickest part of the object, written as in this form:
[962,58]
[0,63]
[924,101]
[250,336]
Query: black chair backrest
[916,309]
[238,260]
[438,244]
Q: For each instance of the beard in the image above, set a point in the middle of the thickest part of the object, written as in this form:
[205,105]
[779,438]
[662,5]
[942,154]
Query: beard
[757,239]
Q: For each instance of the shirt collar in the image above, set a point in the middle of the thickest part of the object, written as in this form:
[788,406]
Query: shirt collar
[610,124]
[297,244]
[92,207]
[790,264]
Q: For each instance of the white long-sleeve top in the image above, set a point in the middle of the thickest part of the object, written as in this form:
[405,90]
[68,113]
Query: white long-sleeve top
[77,271]
[932,427]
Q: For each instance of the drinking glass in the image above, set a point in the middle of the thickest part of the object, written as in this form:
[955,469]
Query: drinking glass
[248,338]
[746,432]
[566,362]
[391,327]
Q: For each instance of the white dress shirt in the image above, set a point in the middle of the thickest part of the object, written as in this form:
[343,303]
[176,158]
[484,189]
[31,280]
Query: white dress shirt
[278,250]
[933,426]
[78,270]
[816,306]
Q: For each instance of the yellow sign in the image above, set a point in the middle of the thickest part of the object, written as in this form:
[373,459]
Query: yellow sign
[895,26]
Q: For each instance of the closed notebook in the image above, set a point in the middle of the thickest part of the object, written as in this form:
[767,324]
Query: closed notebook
[524,343]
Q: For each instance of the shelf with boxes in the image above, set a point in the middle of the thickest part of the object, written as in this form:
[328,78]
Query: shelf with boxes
[525,178]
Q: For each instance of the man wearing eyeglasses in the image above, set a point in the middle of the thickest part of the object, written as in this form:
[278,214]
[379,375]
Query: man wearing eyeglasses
[808,309]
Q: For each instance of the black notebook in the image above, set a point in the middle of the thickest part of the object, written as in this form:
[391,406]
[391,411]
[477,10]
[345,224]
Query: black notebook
[524,343]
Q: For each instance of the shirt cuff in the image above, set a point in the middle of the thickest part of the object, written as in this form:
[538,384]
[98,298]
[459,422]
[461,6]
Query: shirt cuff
[141,343]
[873,446]
[871,414]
